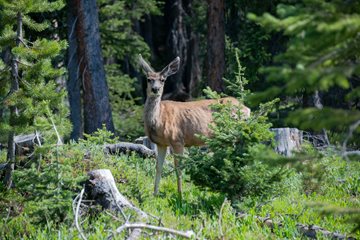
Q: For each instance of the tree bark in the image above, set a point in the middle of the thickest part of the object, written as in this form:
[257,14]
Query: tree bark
[177,45]
[215,45]
[126,147]
[74,82]
[95,94]
[287,140]
[13,109]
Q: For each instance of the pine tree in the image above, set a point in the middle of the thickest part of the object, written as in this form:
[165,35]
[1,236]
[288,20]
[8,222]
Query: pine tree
[32,101]
[322,59]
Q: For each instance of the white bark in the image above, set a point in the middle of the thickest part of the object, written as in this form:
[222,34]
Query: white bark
[287,140]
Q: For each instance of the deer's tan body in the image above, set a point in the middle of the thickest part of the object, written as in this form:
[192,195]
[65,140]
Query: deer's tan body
[175,124]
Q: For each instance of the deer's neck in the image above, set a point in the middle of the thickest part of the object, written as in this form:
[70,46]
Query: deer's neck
[152,111]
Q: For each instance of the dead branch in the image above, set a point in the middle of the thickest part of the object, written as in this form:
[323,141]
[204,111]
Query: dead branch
[220,219]
[187,234]
[77,214]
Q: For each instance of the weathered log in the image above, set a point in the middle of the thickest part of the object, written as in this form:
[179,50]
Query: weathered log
[149,144]
[287,140]
[146,142]
[126,147]
[26,143]
[309,231]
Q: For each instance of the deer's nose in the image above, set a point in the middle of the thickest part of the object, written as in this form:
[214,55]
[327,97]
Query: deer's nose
[155,89]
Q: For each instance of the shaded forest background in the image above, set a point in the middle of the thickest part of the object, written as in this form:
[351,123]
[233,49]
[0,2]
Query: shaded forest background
[69,77]
[105,37]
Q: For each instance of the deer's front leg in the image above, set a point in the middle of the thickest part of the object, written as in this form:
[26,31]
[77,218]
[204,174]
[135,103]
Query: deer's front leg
[178,150]
[160,158]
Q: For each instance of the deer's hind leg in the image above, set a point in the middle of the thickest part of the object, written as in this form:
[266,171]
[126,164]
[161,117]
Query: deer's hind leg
[160,158]
[178,150]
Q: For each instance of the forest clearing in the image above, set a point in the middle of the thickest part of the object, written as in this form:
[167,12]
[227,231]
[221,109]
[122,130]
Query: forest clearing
[180,119]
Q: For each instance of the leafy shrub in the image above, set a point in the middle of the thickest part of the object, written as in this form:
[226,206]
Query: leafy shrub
[49,192]
[230,164]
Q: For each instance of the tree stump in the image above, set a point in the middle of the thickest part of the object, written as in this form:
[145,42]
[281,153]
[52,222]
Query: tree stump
[26,143]
[287,140]
[101,187]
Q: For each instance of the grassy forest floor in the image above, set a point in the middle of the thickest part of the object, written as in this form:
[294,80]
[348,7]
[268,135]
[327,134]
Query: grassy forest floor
[40,205]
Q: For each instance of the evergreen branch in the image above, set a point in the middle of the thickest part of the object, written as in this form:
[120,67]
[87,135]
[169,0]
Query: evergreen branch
[22,41]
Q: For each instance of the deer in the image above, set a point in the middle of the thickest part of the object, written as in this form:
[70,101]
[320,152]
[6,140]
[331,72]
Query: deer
[175,124]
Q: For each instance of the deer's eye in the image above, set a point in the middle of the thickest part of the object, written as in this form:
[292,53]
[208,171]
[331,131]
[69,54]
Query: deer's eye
[149,80]
[162,80]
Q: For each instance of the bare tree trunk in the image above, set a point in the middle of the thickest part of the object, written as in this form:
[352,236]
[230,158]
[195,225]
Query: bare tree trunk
[314,100]
[74,81]
[216,45]
[177,45]
[13,109]
[193,68]
[95,94]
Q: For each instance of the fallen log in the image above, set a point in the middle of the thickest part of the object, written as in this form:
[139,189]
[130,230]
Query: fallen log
[126,147]
[309,231]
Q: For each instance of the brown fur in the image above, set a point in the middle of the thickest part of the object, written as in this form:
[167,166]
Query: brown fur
[175,124]
[179,122]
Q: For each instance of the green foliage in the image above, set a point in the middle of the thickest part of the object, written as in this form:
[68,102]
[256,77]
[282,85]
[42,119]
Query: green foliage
[121,45]
[127,114]
[236,88]
[49,191]
[230,164]
[257,47]
[39,103]
[99,137]
[322,54]
[199,210]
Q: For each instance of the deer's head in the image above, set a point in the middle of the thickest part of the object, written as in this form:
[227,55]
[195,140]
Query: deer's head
[156,80]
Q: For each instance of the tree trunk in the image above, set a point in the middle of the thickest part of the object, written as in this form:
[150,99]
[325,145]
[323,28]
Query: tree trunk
[177,45]
[74,81]
[287,140]
[314,100]
[215,45]
[13,109]
[193,68]
[95,94]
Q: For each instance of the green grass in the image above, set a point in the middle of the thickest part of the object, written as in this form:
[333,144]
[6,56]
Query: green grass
[199,210]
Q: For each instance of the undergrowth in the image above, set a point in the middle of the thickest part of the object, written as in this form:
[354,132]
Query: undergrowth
[39,207]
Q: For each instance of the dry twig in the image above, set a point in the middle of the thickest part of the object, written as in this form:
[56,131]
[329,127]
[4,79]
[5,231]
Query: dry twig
[77,215]
[187,234]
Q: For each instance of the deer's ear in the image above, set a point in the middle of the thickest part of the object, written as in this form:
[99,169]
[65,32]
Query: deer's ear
[171,69]
[144,65]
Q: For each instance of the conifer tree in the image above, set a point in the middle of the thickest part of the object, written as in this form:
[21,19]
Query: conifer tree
[31,102]
[322,56]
